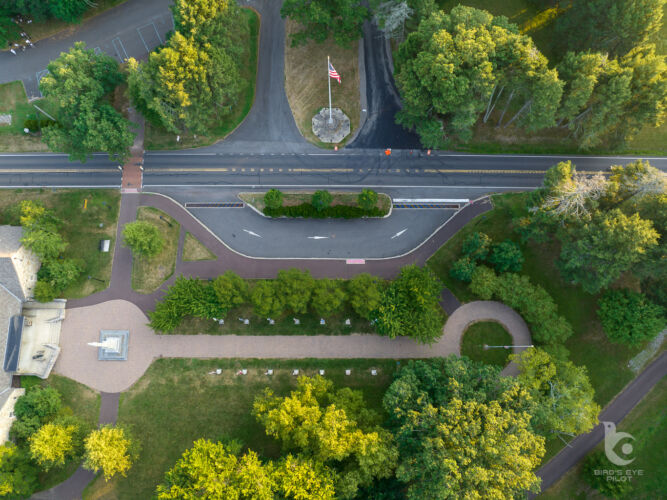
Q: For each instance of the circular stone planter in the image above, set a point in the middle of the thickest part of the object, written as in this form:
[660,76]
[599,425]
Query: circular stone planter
[331,132]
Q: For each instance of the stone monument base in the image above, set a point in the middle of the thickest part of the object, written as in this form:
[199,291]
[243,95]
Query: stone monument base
[106,355]
[331,132]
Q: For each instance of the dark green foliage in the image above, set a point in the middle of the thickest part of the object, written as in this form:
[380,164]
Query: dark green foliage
[60,273]
[476,246]
[609,25]
[267,299]
[273,199]
[186,297]
[597,461]
[532,302]
[328,297]
[69,11]
[337,211]
[36,125]
[410,306]
[462,269]
[630,318]
[44,292]
[367,199]
[296,287]
[143,238]
[364,294]
[342,19]
[321,200]
[506,256]
[36,407]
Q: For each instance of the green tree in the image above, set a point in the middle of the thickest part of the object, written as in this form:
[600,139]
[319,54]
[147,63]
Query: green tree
[46,244]
[630,318]
[609,25]
[78,82]
[296,288]
[267,299]
[36,407]
[70,11]
[596,462]
[52,444]
[342,19]
[321,199]
[364,294]
[231,290]
[410,306]
[44,292]
[484,282]
[463,269]
[273,198]
[60,273]
[328,297]
[367,199]
[324,426]
[18,475]
[461,431]
[301,479]
[143,238]
[111,450]
[562,393]
[596,253]
[476,246]
[506,256]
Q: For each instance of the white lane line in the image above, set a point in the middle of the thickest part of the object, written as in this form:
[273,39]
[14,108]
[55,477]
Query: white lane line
[349,186]
[318,237]
[252,234]
[399,233]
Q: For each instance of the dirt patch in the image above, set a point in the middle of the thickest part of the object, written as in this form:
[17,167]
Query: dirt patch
[306,81]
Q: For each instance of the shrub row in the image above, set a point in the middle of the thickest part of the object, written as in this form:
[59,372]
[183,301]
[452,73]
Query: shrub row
[531,301]
[478,248]
[336,211]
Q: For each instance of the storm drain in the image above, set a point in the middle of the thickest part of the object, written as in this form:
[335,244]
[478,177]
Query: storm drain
[219,204]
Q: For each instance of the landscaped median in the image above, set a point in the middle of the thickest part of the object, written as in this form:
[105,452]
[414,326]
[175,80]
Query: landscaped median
[319,204]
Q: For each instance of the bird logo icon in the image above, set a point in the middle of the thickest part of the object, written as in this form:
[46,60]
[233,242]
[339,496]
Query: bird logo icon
[611,439]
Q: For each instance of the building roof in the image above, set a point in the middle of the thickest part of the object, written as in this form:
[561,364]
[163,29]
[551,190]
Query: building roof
[10,240]
[10,306]
[9,279]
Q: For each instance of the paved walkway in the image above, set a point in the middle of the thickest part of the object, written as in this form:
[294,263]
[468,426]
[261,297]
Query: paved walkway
[78,360]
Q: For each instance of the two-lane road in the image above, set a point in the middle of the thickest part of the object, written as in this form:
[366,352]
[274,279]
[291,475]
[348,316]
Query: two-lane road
[371,168]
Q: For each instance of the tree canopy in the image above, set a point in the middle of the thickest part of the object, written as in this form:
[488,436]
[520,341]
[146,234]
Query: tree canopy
[77,83]
[342,19]
[629,317]
[111,450]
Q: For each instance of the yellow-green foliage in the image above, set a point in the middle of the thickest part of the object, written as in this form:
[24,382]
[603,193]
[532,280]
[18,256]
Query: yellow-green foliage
[108,449]
[52,443]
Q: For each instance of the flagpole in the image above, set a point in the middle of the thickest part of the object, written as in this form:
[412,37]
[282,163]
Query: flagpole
[329,80]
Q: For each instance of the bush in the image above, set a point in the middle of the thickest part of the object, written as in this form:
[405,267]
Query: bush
[364,293]
[328,297]
[367,199]
[309,211]
[476,247]
[532,302]
[35,125]
[462,269]
[32,410]
[60,273]
[143,238]
[506,256]
[231,290]
[597,461]
[629,317]
[321,200]
[44,292]
[267,300]
[273,198]
[296,287]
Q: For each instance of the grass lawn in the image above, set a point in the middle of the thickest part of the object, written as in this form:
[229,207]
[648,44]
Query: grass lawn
[80,228]
[306,82]
[177,402]
[647,422]
[193,250]
[607,363]
[84,402]
[486,333]
[39,30]
[13,101]
[292,198]
[310,324]
[159,138]
[149,273]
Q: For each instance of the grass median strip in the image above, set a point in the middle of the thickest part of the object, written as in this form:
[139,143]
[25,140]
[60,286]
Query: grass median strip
[149,273]
[194,250]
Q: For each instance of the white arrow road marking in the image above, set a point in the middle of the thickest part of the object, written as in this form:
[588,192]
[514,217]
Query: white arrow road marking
[251,233]
[399,233]
[318,237]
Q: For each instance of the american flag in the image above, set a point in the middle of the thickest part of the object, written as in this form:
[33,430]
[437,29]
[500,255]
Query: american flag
[333,73]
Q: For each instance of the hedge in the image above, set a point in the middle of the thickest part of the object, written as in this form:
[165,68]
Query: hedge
[337,211]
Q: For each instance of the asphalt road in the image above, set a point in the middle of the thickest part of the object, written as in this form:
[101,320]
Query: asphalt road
[132,29]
